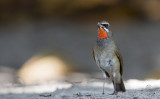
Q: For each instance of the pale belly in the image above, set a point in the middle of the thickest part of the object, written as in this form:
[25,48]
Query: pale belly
[108,63]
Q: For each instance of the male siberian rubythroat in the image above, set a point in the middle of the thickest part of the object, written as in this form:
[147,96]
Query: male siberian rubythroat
[108,58]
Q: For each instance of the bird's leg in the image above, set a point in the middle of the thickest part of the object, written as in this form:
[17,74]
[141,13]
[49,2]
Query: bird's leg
[115,91]
[114,84]
[104,83]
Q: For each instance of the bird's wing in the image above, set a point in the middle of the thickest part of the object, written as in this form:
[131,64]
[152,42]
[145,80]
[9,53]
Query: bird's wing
[93,55]
[118,54]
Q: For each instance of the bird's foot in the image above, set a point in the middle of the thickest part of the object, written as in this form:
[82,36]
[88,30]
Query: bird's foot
[102,93]
[114,93]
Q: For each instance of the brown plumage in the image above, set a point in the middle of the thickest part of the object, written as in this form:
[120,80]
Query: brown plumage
[108,58]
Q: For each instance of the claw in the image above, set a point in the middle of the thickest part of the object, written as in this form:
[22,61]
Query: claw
[114,93]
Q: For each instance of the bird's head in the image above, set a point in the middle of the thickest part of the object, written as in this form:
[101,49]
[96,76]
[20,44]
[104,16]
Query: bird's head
[103,30]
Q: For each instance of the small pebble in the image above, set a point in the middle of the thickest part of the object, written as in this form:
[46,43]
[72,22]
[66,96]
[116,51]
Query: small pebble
[135,97]
[45,95]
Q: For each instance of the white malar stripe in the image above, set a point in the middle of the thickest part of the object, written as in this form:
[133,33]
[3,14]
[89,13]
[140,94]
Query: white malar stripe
[106,29]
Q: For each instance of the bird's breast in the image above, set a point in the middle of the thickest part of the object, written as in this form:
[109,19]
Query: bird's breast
[107,61]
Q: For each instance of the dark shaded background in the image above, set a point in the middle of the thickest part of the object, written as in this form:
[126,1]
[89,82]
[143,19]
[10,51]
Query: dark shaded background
[31,27]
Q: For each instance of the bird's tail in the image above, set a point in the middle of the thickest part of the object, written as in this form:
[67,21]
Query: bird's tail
[120,86]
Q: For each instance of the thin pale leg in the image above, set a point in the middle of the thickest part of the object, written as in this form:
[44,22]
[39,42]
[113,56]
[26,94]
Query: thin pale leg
[104,83]
[114,84]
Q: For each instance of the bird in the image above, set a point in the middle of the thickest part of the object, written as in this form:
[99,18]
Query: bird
[108,57]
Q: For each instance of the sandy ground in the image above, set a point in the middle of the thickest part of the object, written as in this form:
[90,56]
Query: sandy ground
[136,89]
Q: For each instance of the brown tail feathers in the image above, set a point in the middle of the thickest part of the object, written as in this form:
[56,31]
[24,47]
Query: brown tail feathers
[120,87]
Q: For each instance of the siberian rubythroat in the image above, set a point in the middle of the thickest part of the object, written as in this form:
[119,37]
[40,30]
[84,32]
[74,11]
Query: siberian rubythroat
[108,58]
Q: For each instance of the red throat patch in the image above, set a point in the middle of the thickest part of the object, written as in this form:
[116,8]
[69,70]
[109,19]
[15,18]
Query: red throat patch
[102,34]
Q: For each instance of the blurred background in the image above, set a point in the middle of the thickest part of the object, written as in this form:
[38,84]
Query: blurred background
[43,40]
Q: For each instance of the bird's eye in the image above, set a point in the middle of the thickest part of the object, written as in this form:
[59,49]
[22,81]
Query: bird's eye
[105,25]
